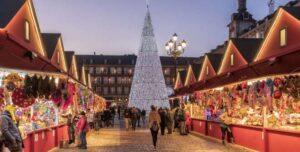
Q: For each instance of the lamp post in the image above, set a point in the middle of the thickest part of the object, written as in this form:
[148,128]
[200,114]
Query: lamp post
[175,49]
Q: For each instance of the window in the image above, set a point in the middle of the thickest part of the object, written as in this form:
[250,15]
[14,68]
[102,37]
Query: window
[101,70]
[130,71]
[129,80]
[91,70]
[231,59]
[112,90]
[126,90]
[105,90]
[113,70]
[119,80]
[58,58]
[119,90]
[105,61]
[120,61]
[105,80]
[119,70]
[167,71]
[98,80]
[91,61]
[123,80]
[283,37]
[27,31]
[207,71]
[98,89]
[112,80]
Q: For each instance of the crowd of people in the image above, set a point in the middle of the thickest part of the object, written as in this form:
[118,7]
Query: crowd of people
[134,117]
[173,120]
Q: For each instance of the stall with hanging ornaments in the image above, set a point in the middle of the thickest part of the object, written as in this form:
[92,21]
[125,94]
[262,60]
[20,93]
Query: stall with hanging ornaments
[37,100]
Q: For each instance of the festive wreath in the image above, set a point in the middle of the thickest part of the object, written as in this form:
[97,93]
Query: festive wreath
[20,98]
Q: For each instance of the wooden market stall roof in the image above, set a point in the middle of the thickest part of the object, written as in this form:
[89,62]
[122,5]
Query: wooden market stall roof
[55,49]
[266,58]
[21,44]
[71,64]
[192,74]
[81,70]
[210,66]
[285,27]
[239,53]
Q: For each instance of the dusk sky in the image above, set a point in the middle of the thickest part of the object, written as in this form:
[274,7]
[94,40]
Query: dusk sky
[113,27]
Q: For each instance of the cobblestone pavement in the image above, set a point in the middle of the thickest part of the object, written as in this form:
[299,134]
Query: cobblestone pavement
[120,140]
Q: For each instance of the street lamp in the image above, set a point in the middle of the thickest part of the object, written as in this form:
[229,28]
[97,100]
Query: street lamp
[174,50]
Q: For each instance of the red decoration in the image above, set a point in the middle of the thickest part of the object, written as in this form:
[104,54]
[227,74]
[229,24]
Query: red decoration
[277,94]
[277,82]
[1,93]
[20,99]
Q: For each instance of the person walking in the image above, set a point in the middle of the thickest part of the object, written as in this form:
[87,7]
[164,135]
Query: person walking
[134,116]
[126,118]
[119,112]
[225,126]
[138,117]
[12,137]
[163,121]
[169,121]
[154,121]
[82,127]
[181,119]
[143,115]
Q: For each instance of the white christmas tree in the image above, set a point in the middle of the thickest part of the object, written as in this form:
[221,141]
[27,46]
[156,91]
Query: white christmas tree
[148,85]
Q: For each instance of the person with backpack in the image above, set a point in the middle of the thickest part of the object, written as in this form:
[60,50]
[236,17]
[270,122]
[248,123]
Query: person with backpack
[82,127]
[12,137]
[154,121]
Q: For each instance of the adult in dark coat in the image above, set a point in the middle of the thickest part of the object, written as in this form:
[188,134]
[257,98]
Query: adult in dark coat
[163,122]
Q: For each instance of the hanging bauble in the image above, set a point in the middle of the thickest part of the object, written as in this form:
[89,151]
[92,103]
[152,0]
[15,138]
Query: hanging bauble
[277,82]
[277,94]
[10,86]
[20,99]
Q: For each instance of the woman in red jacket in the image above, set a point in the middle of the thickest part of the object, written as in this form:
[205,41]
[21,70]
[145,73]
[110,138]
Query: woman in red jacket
[82,128]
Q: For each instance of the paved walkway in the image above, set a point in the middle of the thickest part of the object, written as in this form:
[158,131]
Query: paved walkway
[120,140]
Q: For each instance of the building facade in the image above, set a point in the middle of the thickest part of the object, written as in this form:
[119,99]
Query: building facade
[112,75]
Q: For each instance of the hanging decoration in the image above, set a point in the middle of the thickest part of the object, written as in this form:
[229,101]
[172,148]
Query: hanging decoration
[20,98]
